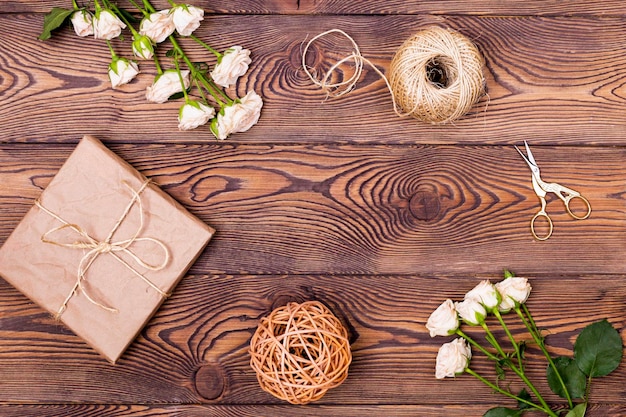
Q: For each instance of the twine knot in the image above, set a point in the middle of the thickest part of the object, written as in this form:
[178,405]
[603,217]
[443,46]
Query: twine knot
[105,247]
[96,248]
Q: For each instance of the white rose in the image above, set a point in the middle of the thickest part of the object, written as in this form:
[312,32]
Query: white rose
[230,66]
[142,47]
[165,85]
[444,320]
[471,311]
[486,293]
[187,18]
[514,291]
[238,117]
[157,26]
[106,25]
[193,114]
[82,21]
[453,358]
[122,71]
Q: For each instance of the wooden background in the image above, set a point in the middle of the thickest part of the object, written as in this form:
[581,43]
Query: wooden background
[340,201]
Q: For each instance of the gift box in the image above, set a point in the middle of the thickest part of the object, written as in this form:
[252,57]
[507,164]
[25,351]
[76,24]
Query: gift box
[102,248]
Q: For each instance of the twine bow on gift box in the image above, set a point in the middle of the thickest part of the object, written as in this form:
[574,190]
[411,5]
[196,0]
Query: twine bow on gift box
[107,246]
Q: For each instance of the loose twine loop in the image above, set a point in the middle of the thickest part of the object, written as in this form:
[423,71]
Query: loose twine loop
[436,75]
[96,248]
[300,351]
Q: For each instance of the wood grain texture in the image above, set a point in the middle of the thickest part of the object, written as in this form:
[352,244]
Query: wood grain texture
[553,80]
[195,348]
[375,7]
[336,200]
[57,410]
[367,209]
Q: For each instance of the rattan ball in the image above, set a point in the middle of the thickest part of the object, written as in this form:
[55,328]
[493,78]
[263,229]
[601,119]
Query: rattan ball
[300,351]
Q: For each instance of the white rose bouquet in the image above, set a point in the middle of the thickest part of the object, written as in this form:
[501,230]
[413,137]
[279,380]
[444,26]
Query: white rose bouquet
[597,350]
[212,106]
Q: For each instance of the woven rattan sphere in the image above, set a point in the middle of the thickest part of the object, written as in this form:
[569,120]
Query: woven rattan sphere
[300,351]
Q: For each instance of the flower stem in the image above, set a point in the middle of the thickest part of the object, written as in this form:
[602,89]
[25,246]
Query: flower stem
[492,339]
[496,388]
[197,75]
[213,91]
[156,64]
[145,12]
[218,89]
[530,385]
[511,338]
[532,329]
[214,51]
[123,17]
[477,345]
[518,371]
[199,87]
[182,82]
[113,54]
[75,5]
[148,6]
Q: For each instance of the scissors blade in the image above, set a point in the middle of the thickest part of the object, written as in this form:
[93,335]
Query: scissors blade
[530,155]
[530,160]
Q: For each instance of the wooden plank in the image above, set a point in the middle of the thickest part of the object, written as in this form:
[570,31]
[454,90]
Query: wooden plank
[185,410]
[551,80]
[375,7]
[367,209]
[194,351]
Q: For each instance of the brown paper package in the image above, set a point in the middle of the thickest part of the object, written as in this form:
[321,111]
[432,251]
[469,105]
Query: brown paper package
[92,191]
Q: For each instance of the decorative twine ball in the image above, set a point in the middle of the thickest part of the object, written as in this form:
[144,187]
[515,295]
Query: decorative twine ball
[300,351]
[436,75]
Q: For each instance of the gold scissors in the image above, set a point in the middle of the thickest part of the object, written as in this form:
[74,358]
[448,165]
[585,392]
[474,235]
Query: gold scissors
[542,188]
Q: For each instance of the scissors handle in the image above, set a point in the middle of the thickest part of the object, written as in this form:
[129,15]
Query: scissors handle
[567,201]
[541,214]
[567,195]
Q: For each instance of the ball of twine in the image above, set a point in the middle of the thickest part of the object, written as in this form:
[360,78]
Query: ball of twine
[300,351]
[436,75]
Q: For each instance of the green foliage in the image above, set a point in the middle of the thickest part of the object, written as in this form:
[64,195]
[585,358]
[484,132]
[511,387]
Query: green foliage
[574,379]
[578,411]
[524,395]
[502,412]
[500,365]
[127,15]
[53,20]
[598,349]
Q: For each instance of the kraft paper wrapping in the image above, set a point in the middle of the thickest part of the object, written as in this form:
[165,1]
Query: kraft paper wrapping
[91,192]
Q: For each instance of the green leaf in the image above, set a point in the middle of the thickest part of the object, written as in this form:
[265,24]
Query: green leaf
[574,379]
[578,411]
[501,375]
[129,17]
[502,412]
[53,20]
[201,67]
[522,349]
[525,395]
[598,349]
[179,95]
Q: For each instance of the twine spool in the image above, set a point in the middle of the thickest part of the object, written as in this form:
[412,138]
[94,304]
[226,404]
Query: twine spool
[300,351]
[436,75]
